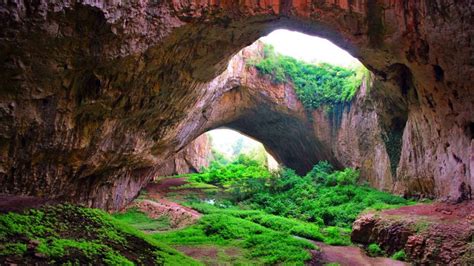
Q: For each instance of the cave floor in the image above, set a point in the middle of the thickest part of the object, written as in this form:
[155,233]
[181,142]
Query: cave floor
[168,190]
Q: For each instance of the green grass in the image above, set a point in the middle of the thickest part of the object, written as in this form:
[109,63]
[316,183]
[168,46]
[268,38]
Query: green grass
[75,235]
[141,221]
[277,223]
[258,242]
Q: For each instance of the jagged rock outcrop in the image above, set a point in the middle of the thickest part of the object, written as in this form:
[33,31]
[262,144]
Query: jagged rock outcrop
[95,96]
[428,234]
[191,159]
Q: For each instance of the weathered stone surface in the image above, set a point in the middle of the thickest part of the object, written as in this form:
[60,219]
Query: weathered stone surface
[191,159]
[429,234]
[96,95]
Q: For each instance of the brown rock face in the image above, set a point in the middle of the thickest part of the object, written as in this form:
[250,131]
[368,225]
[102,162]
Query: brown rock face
[191,159]
[429,234]
[95,96]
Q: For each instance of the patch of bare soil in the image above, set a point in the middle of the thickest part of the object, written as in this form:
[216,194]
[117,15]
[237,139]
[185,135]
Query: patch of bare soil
[441,211]
[348,255]
[200,252]
[180,216]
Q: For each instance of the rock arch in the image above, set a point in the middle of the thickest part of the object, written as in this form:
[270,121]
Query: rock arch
[96,95]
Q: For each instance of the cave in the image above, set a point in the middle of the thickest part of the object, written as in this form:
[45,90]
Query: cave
[98,97]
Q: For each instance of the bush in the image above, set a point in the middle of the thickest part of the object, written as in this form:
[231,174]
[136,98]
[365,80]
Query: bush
[315,85]
[374,250]
[241,168]
[399,255]
[323,196]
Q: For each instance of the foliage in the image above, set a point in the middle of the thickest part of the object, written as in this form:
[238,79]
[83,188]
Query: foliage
[264,244]
[222,174]
[75,235]
[399,255]
[141,221]
[12,249]
[374,250]
[219,157]
[315,85]
[323,196]
[277,223]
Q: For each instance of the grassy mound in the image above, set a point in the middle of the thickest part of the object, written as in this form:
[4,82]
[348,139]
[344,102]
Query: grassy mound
[261,245]
[68,234]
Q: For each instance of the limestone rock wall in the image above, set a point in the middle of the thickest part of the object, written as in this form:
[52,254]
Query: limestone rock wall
[96,95]
[191,159]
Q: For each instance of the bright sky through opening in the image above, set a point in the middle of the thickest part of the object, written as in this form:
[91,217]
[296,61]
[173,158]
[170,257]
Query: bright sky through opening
[308,48]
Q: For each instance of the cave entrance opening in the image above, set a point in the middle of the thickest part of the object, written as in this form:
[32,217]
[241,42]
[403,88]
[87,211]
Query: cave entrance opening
[287,89]
[231,146]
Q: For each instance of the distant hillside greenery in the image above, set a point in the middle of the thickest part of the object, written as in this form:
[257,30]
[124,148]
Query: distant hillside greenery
[315,84]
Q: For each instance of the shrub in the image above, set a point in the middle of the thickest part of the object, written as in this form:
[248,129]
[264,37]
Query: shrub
[399,255]
[224,174]
[374,250]
[323,196]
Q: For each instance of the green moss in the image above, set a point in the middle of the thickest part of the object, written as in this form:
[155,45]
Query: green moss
[75,235]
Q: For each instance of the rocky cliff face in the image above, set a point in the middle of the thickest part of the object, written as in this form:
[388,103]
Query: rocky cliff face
[428,234]
[351,135]
[96,96]
[191,159]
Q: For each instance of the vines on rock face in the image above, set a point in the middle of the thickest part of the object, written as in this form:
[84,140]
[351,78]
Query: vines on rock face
[315,84]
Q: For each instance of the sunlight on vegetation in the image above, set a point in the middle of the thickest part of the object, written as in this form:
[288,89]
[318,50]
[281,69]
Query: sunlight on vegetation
[225,173]
[315,84]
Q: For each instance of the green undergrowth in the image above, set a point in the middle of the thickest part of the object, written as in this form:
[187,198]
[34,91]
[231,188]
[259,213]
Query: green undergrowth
[68,234]
[226,173]
[324,196]
[374,250]
[315,84]
[320,206]
[399,255]
[277,223]
[258,242]
[141,221]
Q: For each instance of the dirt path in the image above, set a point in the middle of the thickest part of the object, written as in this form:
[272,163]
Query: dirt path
[348,255]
